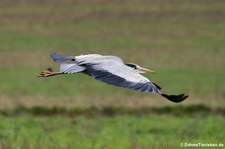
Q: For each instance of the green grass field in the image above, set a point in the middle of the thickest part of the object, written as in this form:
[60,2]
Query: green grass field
[111,127]
[122,131]
[181,40]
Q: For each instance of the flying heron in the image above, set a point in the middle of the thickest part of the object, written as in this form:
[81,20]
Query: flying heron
[111,70]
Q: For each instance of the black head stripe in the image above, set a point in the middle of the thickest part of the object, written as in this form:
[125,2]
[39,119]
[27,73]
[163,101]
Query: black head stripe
[132,65]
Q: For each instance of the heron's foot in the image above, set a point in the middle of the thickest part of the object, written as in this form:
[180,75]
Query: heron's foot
[47,73]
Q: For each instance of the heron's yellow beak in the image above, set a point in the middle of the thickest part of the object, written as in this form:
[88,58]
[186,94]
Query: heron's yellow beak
[150,71]
[147,70]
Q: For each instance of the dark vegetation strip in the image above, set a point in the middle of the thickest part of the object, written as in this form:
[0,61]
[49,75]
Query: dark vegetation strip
[191,110]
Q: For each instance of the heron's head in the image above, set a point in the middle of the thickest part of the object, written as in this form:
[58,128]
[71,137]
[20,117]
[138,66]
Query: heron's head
[140,69]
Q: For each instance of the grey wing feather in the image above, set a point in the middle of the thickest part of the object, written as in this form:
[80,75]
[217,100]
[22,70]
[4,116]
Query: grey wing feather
[71,68]
[116,73]
[60,58]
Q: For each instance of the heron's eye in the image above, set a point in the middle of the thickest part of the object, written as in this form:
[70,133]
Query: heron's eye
[73,60]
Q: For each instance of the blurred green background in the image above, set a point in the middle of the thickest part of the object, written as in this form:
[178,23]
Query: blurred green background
[182,40]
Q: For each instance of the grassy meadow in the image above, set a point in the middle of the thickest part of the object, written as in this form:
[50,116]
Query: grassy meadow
[181,40]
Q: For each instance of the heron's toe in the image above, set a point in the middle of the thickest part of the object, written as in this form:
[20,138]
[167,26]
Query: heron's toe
[44,74]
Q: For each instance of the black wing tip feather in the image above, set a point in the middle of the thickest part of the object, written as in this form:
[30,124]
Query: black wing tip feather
[175,98]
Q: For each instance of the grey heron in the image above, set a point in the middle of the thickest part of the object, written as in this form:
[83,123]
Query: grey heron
[111,70]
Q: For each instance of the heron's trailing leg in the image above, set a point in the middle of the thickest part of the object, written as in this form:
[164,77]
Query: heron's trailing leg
[48,73]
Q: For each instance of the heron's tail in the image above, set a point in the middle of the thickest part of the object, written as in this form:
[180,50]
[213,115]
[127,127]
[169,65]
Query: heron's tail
[175,98]
[61,58]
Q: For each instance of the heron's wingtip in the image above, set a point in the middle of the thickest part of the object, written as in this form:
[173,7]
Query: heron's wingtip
[52,55]
[175,98]
[61,58]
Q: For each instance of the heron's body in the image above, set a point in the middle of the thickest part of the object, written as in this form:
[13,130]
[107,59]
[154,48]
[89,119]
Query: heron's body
[111,70]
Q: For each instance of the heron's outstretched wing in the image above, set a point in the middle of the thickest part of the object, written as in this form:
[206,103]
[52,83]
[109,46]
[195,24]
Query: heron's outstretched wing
[71,68]
[116,73]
